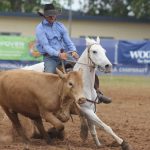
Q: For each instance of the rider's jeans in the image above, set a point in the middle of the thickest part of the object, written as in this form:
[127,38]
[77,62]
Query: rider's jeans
[51,62]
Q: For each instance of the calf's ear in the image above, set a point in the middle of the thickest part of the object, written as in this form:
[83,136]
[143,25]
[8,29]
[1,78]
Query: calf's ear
[60,73]
[80,71]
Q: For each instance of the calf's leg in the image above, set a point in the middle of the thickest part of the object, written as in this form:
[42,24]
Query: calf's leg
[39,124]
[51,118]
[13,116]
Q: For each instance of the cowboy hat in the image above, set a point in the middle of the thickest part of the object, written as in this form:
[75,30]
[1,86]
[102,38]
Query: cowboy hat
[49,10]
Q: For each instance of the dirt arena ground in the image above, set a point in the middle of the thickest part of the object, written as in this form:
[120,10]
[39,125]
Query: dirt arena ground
[128,115]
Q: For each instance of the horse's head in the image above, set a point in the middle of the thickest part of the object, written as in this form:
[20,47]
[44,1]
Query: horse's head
[96,54]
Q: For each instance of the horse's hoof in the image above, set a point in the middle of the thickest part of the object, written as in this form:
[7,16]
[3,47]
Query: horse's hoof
[100,146]
[126,146]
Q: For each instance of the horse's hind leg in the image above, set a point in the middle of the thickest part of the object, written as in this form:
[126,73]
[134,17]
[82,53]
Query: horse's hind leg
[83,128]
[93,133]
[13,116]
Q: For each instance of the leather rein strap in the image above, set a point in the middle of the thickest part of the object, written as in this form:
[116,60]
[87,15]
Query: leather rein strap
[93,102]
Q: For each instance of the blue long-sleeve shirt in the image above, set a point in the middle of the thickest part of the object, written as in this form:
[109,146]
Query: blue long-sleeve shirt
[50,38]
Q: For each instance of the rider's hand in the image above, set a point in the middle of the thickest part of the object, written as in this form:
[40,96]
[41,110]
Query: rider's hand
[75,55]
[63,56]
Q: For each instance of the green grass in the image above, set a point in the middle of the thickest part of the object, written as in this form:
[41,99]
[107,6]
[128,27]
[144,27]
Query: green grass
[110,80]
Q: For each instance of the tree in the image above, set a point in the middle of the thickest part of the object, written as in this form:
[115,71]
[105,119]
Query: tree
[21,5]
[140,8]
[120,8]
[114,8]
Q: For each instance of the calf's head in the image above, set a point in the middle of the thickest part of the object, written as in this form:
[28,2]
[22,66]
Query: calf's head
[72,85]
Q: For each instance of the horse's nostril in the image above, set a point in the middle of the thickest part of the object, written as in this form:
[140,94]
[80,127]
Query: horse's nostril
[107,66]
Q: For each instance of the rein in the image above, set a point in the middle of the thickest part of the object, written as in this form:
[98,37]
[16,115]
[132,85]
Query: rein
[93,102]
[78,63]
[91,64]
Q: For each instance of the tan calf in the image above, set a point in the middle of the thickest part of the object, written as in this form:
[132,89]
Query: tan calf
[38,95]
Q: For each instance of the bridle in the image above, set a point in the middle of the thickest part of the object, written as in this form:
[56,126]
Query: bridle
[91,63]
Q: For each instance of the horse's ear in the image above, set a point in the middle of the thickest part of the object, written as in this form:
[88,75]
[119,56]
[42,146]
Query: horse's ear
[98,40]
[88,41]
[60,74]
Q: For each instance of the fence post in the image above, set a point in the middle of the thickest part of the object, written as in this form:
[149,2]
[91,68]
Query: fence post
[116,53]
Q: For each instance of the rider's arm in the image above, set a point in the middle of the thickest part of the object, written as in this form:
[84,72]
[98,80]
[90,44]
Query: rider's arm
[43,42]
[66,39]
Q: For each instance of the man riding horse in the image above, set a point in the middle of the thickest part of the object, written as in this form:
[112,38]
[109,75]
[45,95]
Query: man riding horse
[51,40]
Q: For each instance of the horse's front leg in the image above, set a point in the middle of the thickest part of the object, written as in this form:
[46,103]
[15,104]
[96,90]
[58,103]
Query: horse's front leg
[92,117]
[94,133]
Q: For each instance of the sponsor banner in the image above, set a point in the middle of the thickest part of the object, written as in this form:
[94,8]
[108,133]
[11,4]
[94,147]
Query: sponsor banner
[134,52]
[18,48]
[133,56]
[131,70]
[23,48]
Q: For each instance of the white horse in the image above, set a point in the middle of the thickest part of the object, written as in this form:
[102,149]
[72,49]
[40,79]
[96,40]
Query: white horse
[92,58]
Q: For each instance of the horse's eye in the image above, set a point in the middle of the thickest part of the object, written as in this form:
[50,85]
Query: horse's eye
[94,52]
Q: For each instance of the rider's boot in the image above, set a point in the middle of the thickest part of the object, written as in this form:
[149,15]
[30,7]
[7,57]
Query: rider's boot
[102,98]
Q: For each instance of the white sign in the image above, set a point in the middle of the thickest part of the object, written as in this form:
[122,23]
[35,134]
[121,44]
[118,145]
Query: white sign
[43,2]
[141,56]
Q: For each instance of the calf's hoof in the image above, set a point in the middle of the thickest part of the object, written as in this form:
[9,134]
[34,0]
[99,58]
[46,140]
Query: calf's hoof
[61,135]
[126,146]
[55,133]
